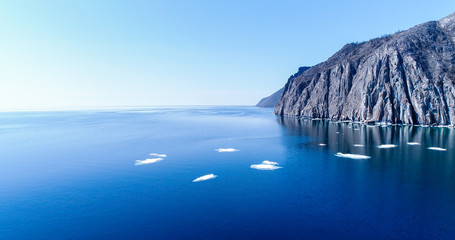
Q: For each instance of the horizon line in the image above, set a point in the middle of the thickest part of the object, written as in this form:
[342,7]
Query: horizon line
[121,107]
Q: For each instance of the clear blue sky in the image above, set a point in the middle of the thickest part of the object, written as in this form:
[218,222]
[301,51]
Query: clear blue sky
[121,53]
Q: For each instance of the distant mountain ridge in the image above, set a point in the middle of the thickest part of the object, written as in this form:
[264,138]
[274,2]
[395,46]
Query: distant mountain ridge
[404,78]
[272,100]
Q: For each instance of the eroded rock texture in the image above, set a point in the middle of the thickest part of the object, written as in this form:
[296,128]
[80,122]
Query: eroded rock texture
[405,78]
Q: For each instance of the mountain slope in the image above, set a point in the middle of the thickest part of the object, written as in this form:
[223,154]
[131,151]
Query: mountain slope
[405,78]
[272,100]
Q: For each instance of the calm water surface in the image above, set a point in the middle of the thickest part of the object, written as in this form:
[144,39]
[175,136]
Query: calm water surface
[72,175]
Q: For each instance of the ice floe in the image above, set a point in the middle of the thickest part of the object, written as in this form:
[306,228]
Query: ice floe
[266,165]
[322,144]
[226,150]
[437,149]
[387,146]
[269,162]
[413,143]
[359,145]
[205,177]
[158,155]
[147,161]
[353,156]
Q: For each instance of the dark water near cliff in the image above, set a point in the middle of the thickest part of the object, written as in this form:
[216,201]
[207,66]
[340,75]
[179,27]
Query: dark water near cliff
[71,175]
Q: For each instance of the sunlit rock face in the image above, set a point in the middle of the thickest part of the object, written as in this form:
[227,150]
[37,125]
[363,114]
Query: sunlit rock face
[404,78]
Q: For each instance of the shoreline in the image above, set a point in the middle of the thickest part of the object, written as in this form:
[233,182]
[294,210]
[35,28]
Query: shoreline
[366,123]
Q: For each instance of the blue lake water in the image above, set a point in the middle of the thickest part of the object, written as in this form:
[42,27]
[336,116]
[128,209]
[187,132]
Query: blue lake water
[72,175]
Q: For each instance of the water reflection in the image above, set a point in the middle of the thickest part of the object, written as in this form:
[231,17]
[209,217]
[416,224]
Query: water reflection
[413,159]
[373,140]
[406,187]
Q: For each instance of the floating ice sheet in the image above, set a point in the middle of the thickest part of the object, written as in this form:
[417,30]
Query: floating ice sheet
[269,162]
[226,150]
[359,145]
[437,149]
[387,146]
[413,143]
[147,161]
[205,177]
[266,165]
[353,156]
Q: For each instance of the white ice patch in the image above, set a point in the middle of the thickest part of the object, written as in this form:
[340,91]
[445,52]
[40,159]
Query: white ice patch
[205,177]
[353,156]
[147,161]
[359,145]
[387,146]
[226,150]
[413,143]
[437,149]
[266,165]
[269,162]
[158,155]
[322,144]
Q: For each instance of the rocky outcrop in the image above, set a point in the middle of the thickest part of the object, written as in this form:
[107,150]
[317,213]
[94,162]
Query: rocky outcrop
[272,100]
[404,78]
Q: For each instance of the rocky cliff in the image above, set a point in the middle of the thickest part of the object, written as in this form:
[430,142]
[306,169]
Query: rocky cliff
[272,100]
[405,78]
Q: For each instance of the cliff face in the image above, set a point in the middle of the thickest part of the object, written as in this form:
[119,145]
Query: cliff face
[272,100]
[404,78]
